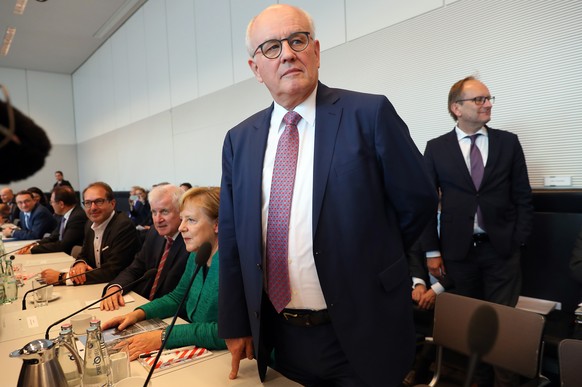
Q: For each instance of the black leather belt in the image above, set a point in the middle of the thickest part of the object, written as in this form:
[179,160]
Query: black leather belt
[480,238]
[304,317]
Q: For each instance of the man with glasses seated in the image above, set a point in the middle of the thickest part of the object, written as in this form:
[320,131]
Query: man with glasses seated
[35,219]
[486,203]
[110,244]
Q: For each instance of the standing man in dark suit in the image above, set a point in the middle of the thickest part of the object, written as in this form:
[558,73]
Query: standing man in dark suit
[486,210]
[61,180]
[110,244]
[35,219]
[70,230]
[163,249]
[333,277]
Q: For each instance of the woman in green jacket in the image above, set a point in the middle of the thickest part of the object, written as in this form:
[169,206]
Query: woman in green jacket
[199,215]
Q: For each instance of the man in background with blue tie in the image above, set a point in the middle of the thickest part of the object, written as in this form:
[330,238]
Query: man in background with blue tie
[35,219]
[70,230]
[322,194]
[486,210]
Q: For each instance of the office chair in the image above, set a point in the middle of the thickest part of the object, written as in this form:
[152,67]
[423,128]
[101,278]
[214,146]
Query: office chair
[516,342]
[569,355]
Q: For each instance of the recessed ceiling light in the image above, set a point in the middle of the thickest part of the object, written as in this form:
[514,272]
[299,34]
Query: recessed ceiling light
[7,41]
[41,1]
[20,6]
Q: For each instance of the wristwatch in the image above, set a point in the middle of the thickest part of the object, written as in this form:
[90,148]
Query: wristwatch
[163,335]
[62,277]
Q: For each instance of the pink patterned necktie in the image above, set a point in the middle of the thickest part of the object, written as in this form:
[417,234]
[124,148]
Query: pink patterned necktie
[477,170]
[282,184]
[169,243]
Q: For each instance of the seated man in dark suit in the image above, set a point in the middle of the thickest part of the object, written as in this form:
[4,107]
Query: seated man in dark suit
[163,249]
[110,244]
[70,230]
[35,219]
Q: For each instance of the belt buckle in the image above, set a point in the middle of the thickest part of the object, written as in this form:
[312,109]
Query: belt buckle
[288,315]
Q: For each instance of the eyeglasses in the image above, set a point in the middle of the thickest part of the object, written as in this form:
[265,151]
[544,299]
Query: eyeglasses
[271,49]
[479,100]
[97,202]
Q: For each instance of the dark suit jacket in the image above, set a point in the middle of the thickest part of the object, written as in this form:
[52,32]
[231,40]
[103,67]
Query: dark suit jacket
[417,265]
[41,222]
[371,200]
[63,183]
[118,248]
[14,216]
[149,258]
[73,235]
[504,195]
[576,259]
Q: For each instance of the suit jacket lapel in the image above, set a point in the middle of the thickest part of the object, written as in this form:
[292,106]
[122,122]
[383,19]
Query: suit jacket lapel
[327,122]
[454,150]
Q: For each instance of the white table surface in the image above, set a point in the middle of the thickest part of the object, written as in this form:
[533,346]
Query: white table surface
[18,328]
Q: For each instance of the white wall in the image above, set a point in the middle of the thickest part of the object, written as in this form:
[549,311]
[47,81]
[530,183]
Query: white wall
[48,99]
[153,104]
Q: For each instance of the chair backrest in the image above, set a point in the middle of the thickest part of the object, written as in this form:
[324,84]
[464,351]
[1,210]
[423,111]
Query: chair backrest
[518,345]
[75,251]
[569,354]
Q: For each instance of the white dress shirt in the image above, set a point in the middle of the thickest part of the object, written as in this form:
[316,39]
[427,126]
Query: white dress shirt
[306,290]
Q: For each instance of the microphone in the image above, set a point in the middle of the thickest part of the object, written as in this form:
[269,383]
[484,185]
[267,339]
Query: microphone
[53,283]
[481,336]
[18,249]
[148,274]
[202,256]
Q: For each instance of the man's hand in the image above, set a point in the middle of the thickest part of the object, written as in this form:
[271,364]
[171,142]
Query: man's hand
[50,276]
[78,268]
[26,249]
[113,302]
[417,292]
[239,348]
[436,266]
[427,300]
[7,232]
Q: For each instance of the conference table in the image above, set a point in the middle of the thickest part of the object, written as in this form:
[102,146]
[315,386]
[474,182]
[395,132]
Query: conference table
[19,327]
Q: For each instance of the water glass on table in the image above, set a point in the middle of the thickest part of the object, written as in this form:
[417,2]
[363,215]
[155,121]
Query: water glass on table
[119,360]
[42,296]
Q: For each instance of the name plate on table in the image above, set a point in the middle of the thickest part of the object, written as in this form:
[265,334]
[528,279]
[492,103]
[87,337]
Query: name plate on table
[34,321]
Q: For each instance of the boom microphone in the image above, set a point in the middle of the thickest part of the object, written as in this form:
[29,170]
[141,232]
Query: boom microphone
[18,249]
[148,274]
[481,336]
[53,283]
[202,256]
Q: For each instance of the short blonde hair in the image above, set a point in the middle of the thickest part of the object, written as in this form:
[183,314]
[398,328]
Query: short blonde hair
[207,197]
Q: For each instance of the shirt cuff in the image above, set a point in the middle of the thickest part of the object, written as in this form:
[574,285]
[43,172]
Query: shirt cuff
[433,254]
[417,281]
[437,288]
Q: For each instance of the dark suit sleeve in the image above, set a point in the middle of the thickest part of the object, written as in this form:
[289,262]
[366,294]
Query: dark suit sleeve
[521,195]
[406,178]
[72,236]
[232,307]
[42,222]
[416,262]
[138,266]
[430,238]
[576,260]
